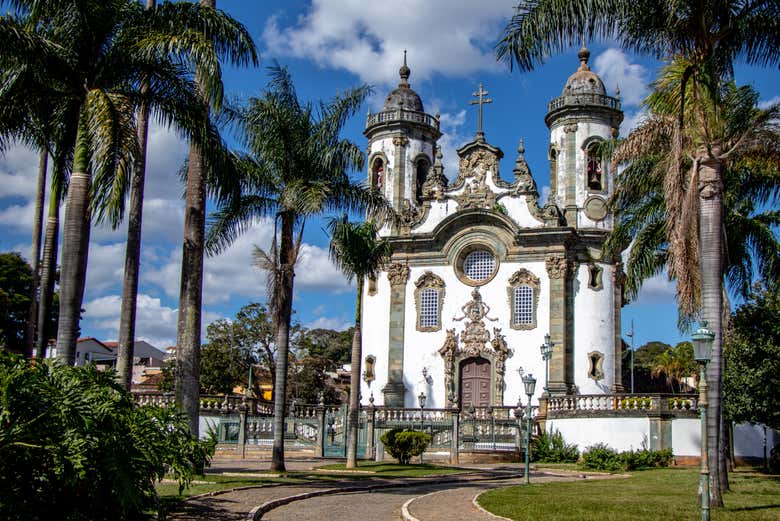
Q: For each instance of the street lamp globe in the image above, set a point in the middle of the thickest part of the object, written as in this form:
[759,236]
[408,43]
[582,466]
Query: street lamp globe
[530,384]
[702,344]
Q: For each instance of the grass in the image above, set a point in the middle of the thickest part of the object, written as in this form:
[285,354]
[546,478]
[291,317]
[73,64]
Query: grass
[668,494]
[396,470]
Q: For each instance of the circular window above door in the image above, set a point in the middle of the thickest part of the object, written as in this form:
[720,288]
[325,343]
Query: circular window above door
[477,267]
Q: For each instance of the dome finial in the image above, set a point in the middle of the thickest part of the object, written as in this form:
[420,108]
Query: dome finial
[404,72]
[584,55]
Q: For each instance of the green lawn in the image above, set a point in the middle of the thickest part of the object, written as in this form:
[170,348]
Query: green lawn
[651,495]
[396,470]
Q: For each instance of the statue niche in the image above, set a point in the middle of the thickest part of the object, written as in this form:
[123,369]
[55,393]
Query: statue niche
[473,343]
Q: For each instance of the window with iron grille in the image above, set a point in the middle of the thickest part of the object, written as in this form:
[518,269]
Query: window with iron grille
[479,265]
[429,307]
[523,305]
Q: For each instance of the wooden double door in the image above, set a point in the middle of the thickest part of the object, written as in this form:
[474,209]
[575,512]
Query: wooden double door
[474,383]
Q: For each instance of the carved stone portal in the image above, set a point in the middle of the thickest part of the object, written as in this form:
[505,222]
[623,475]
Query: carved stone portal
[474,341]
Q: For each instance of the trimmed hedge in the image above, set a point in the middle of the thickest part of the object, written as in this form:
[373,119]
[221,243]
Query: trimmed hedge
[603,457]
[404,444]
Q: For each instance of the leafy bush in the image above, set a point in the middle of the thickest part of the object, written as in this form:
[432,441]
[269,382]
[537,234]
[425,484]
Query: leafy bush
[73,445]
[603,457]
[551,448]
[404,444]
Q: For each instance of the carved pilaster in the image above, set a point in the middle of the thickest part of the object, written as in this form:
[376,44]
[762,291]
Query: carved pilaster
[398,275]
[561,324]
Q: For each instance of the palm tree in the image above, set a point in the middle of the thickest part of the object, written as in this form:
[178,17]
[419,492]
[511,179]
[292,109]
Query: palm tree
[225,38]
[358,251]
[709,37]
[234,43]
[297,167]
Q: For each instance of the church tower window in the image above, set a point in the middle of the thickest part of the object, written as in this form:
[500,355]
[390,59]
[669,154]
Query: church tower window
[378,173]
[429,296]
[421,174]
[553,171]
[523,295]
[595,170]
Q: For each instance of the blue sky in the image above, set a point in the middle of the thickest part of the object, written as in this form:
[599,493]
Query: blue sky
[331,45]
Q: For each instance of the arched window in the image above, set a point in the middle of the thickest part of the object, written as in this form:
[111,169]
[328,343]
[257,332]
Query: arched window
[553,170]
[595,169]
[429,297]
[523,295]
[595,274]
[378,173]
[421,174]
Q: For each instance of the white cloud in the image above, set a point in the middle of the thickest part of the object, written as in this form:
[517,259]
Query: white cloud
[368,38]
[452,138]
[765,104]
[315,272]
[105,267]
[155,322]
[338,324]
[615,70]
[19,172]
[657,290]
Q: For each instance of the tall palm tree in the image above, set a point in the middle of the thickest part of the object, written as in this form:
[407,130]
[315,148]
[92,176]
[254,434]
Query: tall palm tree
[359,252]
[297,166]
[710,36]
[234,43]
[227,40]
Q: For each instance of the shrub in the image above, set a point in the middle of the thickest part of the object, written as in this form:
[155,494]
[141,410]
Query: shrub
[603,457]
[404,444]
[73,445]
[551,448]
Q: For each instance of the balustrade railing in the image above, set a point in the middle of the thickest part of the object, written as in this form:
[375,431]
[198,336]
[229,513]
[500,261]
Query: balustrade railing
[210,403]
[584,99]
[401,115]
[620,404]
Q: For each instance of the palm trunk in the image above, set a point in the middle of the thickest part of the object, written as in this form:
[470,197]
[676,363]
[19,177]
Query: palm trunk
[710,239]
[191,294]
[75,247]
[35,253]
[124,362]
[49,264]
[283,313]
[354,381]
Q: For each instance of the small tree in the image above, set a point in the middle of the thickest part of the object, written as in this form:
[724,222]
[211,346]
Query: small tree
[403,445]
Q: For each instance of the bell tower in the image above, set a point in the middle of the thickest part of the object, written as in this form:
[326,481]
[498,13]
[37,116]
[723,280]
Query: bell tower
[401,145]
[579,119]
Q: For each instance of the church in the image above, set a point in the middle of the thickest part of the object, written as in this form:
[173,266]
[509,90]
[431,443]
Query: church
[482,270]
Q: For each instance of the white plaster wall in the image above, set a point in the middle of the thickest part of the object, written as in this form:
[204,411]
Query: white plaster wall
[594,330]
[421,348]
[517,207]
[438,212]
[619,433]
[375,331]
[686,437]
[206,423]
[749,440]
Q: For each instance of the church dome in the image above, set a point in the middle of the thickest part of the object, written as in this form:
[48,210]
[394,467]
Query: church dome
[584,81]
[403,95]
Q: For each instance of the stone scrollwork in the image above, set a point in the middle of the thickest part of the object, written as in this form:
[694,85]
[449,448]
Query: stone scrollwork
[557,266]
[475,341]
[400,141]
[398,274]
[410,216]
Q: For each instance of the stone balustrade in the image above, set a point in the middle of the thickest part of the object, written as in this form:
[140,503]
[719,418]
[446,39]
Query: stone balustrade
[620,404]
[400,114]
[210,403]
[584,99]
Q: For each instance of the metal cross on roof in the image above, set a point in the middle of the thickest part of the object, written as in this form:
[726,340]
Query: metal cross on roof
[481,100]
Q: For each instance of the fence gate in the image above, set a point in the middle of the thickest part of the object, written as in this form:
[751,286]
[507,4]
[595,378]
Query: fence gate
[334,442]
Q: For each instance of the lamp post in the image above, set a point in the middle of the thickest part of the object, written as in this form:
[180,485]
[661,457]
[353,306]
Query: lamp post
[530,385]
[421,401]
[702,351]
[546,350]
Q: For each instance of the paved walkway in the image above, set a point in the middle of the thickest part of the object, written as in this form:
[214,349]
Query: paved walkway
[427,500]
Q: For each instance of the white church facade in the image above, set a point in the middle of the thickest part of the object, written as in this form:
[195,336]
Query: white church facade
[482,269]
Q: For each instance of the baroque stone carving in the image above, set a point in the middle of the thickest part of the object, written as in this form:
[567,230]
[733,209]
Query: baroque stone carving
[436,182]
[524,181]
[397,274]
[557,266]
[400,141]
[475,341]
[410,216]
[429,280]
